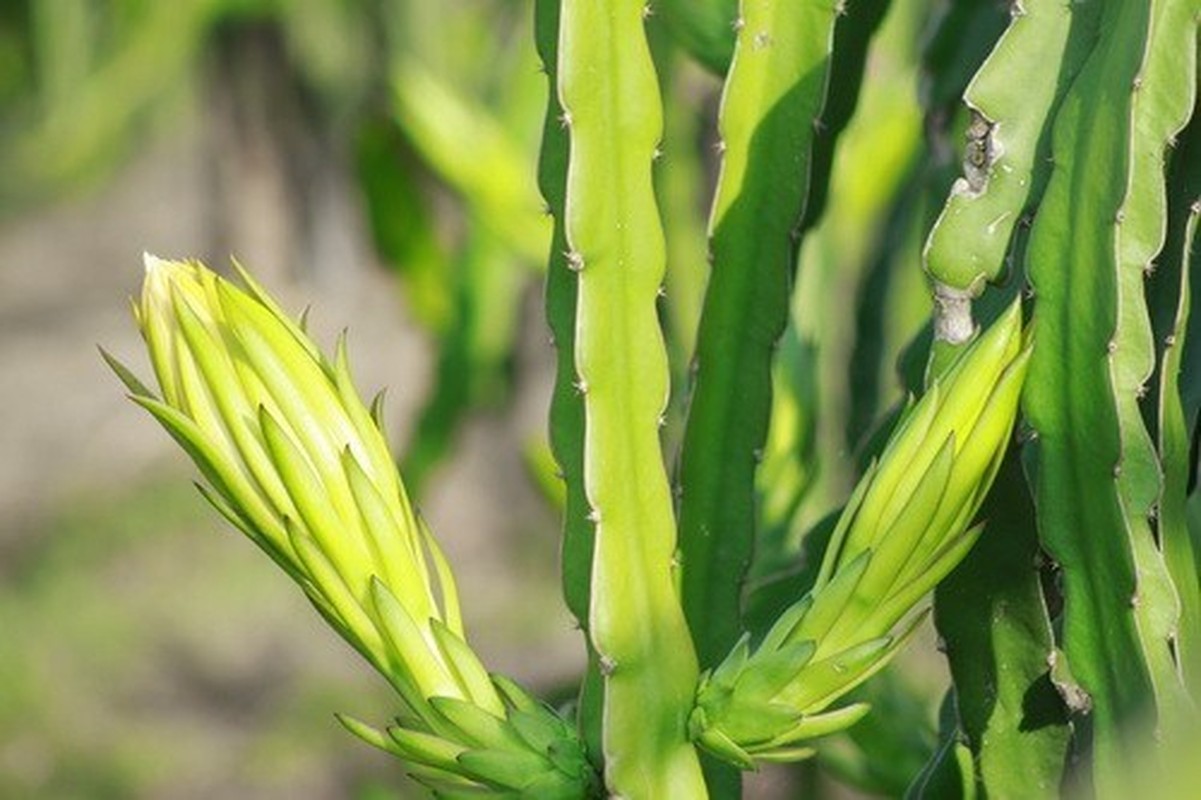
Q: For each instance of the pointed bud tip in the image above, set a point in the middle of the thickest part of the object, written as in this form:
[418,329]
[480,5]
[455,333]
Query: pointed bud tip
[153,264]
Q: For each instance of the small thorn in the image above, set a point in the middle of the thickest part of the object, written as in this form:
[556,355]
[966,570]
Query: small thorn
[739,24]
[1149,269]
[575,261]
[581,386]
[662,421]
[647,11]
[607,665]
[720,147]
[594,516]
[1119,217]
[565,118]
[1169,340]
[662,291]
[1117,470]
[1111,347]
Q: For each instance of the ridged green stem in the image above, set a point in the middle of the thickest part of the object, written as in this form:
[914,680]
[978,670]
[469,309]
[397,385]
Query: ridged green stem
[1163,93]
[990,612]
[1092,465]
[771,106]
[1012,103]
[1170,301]
[567,405]
[611,107]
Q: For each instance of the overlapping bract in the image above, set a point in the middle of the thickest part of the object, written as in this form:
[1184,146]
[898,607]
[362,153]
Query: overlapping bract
[294,459]
[905,527]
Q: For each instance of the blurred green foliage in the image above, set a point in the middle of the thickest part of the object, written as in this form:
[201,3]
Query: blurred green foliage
[129,671]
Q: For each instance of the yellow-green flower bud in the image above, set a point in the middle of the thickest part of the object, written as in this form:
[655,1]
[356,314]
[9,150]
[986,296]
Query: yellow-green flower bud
[921,495]
[904,529]
[295,460]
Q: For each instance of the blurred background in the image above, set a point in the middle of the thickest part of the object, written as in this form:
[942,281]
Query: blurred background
[145,650]
[375,159]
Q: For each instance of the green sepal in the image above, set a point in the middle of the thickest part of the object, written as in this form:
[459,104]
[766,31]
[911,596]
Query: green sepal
[452,614]
[727,672]
[898,540]
[843,672]
[284,558]
[823,680]
[786,755]
[125,375]
[813,726]
[307,491]
[831,600]
[905,597]
[477,727]
[514,695]
[401,567]
[507,769]
[296,329]
[369,428]
[557,786]
[426,749]
[782,629]
[407,645]
[722,746]
[769,672]
[540,730]
[838,538]
[326,582]
[218,470]
[749,720]
[372,736]
[465,665]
